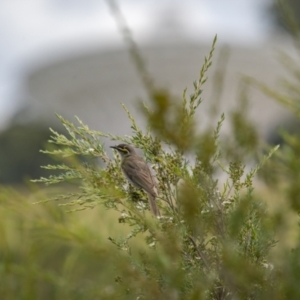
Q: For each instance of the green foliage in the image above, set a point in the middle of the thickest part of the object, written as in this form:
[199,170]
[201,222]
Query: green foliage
[284,169]
[282,172]
[216,239]
[205,236]
[48,254]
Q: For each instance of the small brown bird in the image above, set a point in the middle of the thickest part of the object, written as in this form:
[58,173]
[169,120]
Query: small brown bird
[138,173]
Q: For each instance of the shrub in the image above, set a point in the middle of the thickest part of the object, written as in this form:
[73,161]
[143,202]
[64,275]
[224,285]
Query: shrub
[208,243]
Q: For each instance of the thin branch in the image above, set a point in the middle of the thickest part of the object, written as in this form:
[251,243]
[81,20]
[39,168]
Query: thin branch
[132,46]
[200,254]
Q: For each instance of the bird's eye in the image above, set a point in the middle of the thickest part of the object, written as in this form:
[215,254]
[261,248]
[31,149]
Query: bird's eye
[123,149]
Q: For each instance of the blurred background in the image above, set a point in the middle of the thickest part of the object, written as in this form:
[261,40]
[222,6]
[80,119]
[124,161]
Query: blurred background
[67,57]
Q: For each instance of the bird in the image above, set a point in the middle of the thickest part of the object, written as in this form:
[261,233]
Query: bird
[138,174]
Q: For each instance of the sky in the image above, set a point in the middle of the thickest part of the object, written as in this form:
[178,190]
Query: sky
[36,30]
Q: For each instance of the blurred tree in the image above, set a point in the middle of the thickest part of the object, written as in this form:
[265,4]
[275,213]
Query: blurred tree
[19,152]
[283,12]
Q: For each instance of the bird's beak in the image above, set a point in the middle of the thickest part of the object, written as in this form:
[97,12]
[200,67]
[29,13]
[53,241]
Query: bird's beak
[114,147]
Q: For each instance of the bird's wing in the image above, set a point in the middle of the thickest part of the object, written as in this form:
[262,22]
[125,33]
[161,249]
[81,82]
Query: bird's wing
[140,175]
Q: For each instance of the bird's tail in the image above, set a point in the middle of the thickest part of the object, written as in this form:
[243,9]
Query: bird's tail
[153,206]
